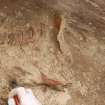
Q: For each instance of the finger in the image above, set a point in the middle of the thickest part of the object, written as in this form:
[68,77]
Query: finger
[12,93]
[11,101]
[21,93]
[32,98]
[17,91]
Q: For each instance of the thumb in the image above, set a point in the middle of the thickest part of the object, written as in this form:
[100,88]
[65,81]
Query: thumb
[32,98]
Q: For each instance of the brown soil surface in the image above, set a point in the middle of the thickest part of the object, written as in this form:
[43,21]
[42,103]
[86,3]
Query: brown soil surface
[64,39]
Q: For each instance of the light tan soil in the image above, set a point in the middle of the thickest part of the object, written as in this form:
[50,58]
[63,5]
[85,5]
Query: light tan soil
[64,39]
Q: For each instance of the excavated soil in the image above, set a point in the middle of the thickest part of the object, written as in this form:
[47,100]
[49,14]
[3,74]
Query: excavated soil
[64,39]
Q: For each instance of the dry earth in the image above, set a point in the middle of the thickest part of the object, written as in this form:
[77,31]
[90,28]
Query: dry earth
[64,39]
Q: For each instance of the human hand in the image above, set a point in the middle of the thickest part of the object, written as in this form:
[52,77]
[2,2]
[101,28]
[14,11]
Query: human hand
[22,96]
